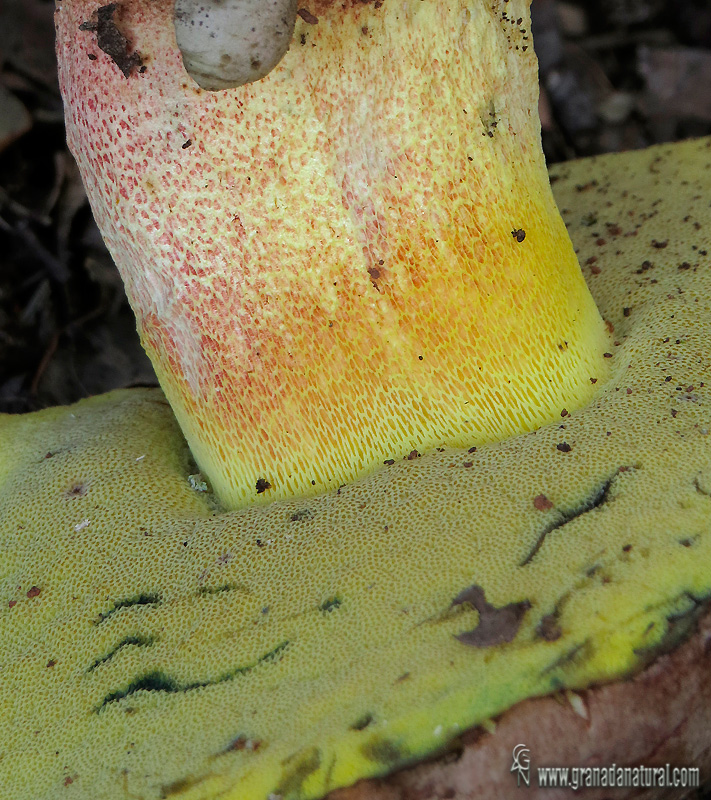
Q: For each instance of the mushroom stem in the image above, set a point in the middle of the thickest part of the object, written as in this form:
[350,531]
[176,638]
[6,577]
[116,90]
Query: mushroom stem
[354,259]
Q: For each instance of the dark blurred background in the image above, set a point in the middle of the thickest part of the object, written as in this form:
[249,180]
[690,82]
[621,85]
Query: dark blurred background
[615,75]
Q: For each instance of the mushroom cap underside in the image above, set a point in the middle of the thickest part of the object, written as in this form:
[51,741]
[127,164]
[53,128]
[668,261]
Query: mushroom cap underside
[155,646]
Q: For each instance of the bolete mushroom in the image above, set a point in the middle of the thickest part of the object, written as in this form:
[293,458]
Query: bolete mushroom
[407,629]
[354,259]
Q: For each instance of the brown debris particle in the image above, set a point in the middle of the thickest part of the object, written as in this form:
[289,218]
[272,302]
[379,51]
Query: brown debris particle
[240,743]
[496,625]
[307,16]
[262,485]
[243,743]
[33,591]
[542,503]
[564,447]
[548,628]
[111,41]
[519,234]
[376,274]
[412,455]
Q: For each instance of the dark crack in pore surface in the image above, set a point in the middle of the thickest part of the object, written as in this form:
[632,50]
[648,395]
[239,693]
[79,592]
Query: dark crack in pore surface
[597,498]
[384,751]
[127,641]
[680,626]
[297,769]
[159,681]
[129,602]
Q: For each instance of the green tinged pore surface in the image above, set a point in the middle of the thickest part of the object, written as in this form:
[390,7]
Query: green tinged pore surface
[152,646]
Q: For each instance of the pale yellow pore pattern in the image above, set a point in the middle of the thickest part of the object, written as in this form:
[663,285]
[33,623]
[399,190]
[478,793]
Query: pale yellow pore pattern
[152,647]
[325,265]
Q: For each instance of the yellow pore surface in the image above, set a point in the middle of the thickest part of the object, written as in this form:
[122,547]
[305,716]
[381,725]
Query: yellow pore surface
[329,266]
[153,647]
